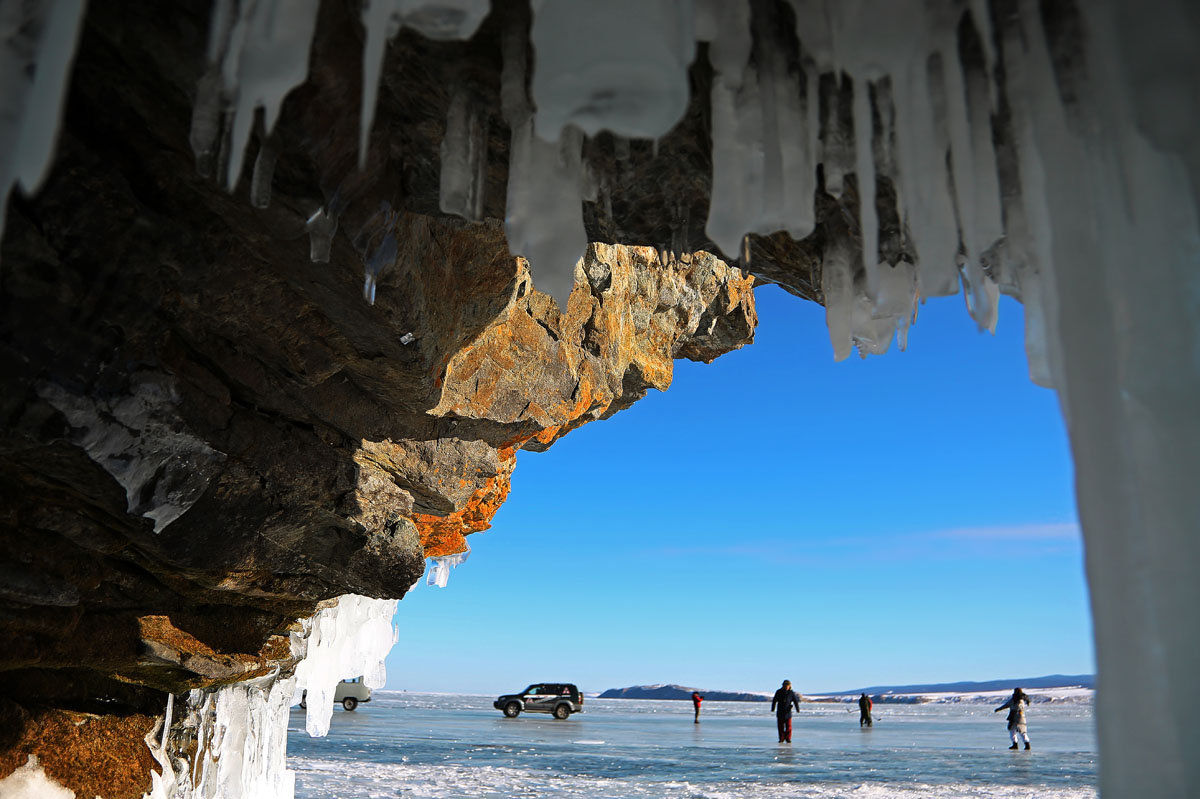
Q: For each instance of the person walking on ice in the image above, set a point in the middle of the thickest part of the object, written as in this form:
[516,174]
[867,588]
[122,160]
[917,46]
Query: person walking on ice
[864,711]
[1016,705]
[696,700]
[785,699]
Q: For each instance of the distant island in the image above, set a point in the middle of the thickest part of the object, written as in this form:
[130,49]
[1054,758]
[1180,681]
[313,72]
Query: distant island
[1049,681]
[680,692]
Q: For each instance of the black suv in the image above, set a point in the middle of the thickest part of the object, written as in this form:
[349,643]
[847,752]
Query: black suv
[560,698]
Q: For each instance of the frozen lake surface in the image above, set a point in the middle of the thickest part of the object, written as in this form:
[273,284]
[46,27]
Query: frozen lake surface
[435,745]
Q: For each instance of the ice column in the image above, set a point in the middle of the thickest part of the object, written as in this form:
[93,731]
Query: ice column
[37,47]
[619,65]
[350,639]
[1121,252]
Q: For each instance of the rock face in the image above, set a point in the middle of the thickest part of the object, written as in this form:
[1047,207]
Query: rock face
[205,433]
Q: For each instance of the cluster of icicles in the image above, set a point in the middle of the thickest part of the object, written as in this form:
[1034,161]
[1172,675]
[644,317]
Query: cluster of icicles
[922,100]
[873,89]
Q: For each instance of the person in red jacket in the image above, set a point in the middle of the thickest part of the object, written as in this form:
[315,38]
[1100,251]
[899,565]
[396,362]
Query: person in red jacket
[696,700]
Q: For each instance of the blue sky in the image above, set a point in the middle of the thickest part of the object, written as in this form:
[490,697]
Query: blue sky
[907,518]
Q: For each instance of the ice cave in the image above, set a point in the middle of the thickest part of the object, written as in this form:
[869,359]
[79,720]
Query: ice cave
[286,284]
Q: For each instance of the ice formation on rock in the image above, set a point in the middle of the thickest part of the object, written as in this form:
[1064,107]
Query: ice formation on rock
[231,742]
[544,210]
[350,639]
[383,19]
[37,46]
[439,568]
[140,440]
[257,53]
[620,65]
[464,157]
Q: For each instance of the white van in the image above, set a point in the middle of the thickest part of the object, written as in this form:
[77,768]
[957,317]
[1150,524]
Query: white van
[348,692]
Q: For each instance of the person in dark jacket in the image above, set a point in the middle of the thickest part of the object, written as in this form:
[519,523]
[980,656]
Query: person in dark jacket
[864,711]
[1016,716]
[696,700]
[785,699]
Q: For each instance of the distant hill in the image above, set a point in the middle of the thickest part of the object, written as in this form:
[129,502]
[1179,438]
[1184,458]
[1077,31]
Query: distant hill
[680,692]
[1049,681]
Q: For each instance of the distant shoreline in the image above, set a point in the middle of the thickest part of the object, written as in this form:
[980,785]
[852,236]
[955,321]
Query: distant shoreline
[1054,687]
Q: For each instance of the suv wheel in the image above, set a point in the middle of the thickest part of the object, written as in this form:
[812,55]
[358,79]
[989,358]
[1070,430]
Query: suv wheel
[349,703]
[512,710]
[562,711]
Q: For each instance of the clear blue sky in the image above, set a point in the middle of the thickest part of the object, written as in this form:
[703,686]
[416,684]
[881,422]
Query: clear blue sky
[907,518]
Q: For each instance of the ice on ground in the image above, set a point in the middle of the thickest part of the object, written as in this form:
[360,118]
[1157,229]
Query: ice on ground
[30,782]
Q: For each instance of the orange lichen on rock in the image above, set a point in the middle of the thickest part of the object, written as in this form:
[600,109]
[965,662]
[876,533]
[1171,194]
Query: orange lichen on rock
[536,373]
[163,641]
[446,535]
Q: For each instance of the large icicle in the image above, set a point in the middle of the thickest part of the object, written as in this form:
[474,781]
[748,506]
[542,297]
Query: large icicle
[350,639]
[383,19]
[37,47]
[544,208]
[763,158]
[258,52]
[617,65]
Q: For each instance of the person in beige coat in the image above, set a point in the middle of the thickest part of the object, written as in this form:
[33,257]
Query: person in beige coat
[1016,705]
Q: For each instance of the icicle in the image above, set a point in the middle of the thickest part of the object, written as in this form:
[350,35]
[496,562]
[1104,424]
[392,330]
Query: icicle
[836,138]
[320,228]
[264,171]
[265,57]
[864,168]
[383,19]
[439,568]
[837,287]
[347,640]
[619,65]
[383,256]
[464,158]
[544,209]
[238,744]
[37,46]
[381,23]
